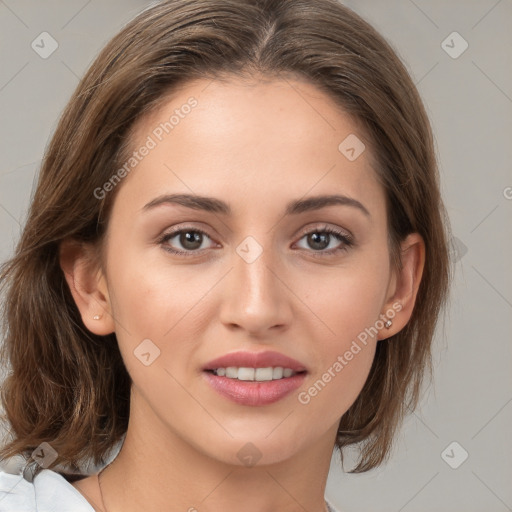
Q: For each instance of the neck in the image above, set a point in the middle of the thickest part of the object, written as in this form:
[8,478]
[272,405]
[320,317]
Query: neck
[156,468]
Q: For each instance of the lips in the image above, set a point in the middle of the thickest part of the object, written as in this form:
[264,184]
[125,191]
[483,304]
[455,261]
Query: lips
[253,392]
[255,360]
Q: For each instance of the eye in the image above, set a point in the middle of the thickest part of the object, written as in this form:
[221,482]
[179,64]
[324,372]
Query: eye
[190,240]
[322,238]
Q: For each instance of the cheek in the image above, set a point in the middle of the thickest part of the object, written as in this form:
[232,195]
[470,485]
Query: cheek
[348,309]
[149,297]
[154,300]
[347,301]
[329,394]
[345,355]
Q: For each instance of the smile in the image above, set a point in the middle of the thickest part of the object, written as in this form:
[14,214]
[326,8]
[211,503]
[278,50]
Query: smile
[254,374]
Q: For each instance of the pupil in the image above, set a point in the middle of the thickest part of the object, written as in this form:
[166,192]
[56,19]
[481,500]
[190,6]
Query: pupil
[192,240]
[190,237]
[319,238]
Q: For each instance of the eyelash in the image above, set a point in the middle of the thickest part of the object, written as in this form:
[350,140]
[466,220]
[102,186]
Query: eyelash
[347,241]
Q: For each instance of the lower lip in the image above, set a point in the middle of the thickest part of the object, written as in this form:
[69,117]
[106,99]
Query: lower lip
[253,392]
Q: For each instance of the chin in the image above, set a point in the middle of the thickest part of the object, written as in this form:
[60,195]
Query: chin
[255,450]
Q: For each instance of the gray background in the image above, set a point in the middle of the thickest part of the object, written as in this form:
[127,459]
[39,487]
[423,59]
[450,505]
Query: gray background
[469,99]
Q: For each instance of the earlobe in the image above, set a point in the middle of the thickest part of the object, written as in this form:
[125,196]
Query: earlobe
[400,303]
[87,285]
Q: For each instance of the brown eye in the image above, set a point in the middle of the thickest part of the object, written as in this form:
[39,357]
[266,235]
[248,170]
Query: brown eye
[320,239]
[184,241]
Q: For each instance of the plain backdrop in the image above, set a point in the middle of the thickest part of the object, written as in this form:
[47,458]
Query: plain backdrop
[453,453]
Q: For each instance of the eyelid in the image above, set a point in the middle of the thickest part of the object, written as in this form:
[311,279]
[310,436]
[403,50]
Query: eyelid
[323,226]
[344,236]
[179,229]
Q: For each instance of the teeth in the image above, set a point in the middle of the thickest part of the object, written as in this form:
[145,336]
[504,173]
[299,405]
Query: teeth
[255,374]
[277,372]
[262,374]
[246,373]
[232,372]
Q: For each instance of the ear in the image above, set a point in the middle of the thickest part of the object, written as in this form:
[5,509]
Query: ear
[80,263]
[403,286]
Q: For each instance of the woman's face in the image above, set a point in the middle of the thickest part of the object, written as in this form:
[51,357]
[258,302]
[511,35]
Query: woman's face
[255,270]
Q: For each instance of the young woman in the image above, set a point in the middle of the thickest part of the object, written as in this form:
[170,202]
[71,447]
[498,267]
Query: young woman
[233,263]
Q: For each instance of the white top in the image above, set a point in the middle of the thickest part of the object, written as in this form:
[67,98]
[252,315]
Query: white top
[48,492]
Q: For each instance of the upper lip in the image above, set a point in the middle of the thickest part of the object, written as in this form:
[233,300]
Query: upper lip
[255,360]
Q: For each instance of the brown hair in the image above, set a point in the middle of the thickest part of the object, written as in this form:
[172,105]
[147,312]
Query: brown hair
[70,387]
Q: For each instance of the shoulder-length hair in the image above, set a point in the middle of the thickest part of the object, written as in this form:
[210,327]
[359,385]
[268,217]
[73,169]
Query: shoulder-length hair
[69,387]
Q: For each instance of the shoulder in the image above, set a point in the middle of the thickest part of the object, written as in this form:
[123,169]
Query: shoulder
[49,492]
[16,494]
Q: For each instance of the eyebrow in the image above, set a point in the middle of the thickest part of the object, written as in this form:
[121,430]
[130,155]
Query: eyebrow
[210,204]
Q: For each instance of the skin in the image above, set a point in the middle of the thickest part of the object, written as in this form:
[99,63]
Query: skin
[255,145]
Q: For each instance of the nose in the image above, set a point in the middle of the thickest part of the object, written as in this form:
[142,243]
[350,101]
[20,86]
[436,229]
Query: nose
[256,295]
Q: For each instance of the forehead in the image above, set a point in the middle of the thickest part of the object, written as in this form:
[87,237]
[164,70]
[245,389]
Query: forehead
[269,140]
